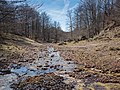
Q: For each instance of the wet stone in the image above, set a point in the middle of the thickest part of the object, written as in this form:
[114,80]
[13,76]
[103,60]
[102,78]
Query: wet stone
[47,82]
[37,74]
[78,70]
[3,72]
[68,59]
[44,68]
[39,66]
[99,87]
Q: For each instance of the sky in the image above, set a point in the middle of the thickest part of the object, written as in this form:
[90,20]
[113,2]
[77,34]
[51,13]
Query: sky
[57,9]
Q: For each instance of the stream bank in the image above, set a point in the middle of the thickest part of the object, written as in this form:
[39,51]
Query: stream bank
[51,72]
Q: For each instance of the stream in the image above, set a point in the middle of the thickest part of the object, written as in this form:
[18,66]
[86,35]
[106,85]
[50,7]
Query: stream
[52,73]
[48,61]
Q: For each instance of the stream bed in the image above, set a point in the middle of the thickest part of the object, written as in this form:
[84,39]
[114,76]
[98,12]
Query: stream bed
[51,72]
[48,61]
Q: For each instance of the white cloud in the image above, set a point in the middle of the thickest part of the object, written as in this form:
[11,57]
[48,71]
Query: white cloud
[72,8]
[66,5]
[60,14]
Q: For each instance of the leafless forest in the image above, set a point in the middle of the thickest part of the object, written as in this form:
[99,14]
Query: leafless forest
[88,19]
[37,54]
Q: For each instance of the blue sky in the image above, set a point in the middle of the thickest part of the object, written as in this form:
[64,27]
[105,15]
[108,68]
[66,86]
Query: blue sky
[57,9]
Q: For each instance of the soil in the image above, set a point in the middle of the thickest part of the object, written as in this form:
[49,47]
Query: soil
[98,65]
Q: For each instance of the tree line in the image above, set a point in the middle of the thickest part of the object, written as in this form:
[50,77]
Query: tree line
[87,19]
[92,16]
[19,18]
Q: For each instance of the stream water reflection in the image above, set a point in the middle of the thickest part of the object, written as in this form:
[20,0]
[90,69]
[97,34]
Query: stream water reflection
[51,62]
[48,61]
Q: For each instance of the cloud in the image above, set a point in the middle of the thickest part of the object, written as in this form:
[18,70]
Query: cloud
[60,15]
[57,10]
[72,8]
[66,5]
[63,14]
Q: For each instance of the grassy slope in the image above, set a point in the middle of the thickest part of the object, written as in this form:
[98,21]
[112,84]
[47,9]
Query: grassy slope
[102,52]
[17,49]
[99,56]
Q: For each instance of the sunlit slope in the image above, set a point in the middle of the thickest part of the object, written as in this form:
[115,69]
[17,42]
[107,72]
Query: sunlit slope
[16,49]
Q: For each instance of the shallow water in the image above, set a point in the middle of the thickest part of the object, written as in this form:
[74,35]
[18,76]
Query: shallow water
[49,61]
[52,63]
[7,80]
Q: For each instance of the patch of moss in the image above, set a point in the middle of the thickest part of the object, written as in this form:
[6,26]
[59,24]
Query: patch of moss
[102,84]
[109,86]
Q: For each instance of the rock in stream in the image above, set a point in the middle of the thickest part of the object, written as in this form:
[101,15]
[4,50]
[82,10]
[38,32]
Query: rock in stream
[41,74]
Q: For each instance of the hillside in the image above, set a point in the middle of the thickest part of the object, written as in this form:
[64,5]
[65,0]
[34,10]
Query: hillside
[17,49]
[99,56]
[101,52]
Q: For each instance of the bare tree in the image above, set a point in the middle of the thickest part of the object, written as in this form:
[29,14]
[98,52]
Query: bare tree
[70,22]
[94,15]
[23,19]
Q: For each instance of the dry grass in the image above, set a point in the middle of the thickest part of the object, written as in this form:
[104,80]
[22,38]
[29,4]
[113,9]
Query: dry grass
[99,57]
[17,49]
[99,53]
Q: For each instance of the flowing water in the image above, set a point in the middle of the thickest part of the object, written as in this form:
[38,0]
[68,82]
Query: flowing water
[47,62]
[50,61]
